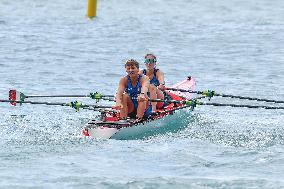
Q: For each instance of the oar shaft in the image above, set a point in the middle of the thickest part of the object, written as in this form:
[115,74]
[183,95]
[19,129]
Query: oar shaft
[32,102]
[67,96]
[175,101]
[183,90]
[54,104]
[104,97]
[213,93]
[239,105]
[250,98]
[165,100]
[51,96]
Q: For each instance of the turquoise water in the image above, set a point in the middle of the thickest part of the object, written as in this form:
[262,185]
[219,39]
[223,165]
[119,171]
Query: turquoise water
[233,47]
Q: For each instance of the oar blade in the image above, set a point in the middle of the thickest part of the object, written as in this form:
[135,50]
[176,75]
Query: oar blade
[15,95]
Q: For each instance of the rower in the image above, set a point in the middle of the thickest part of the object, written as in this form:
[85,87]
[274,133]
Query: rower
[157,82]
[131,96]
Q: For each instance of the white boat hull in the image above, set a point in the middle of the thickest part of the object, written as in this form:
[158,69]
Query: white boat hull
[102,132]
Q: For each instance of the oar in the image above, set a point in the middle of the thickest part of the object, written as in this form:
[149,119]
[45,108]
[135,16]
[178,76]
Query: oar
[240,105]
[194,102]
[19,97]
[209,93]
[16,95]
[76,105]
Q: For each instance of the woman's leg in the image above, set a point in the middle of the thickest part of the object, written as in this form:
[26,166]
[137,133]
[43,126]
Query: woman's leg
[160,95]
[142,106]
[153,95]
[128,106]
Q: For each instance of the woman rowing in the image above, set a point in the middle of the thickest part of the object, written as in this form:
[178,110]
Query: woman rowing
[131,96]
[157,82]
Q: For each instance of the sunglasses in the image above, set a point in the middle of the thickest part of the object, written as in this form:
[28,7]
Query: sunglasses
[150,61]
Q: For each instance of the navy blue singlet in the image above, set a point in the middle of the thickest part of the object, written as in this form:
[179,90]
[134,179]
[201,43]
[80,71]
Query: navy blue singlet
[154,80]
[133,92]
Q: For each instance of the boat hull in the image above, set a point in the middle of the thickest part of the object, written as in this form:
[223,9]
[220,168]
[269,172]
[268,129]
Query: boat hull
[168,124]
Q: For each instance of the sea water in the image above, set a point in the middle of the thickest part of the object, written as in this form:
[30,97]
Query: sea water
[232,47]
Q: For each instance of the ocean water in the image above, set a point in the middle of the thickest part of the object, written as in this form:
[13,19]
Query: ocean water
[232,47]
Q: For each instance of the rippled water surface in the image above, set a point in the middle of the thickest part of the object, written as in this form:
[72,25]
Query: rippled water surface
[233,47]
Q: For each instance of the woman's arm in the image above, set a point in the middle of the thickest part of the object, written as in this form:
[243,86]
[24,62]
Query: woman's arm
[161,78]
[120,91]
[145,84]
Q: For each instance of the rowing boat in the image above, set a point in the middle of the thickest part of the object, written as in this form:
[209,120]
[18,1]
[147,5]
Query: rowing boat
[168,119]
